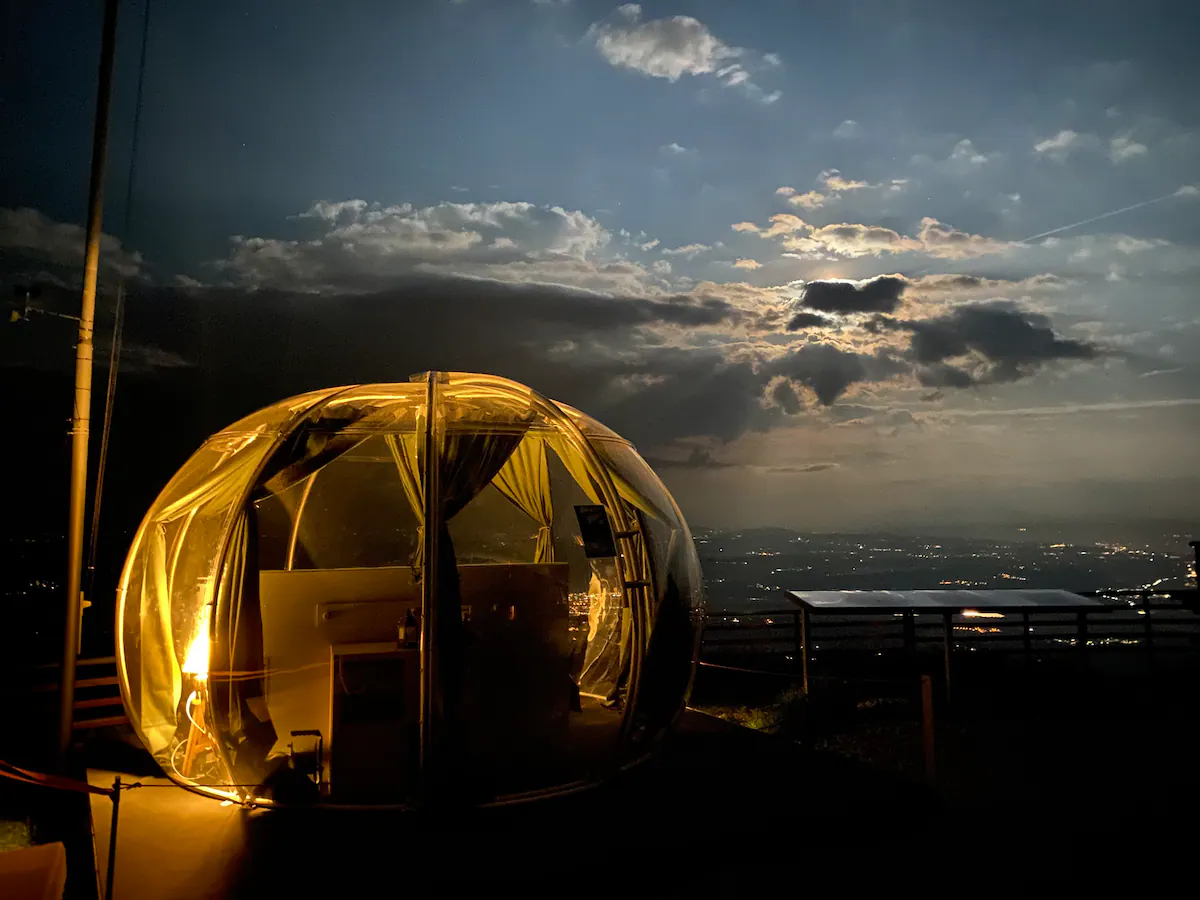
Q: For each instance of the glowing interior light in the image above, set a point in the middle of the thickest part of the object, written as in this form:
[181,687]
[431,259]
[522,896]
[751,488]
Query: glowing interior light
[976,614]
[196,662]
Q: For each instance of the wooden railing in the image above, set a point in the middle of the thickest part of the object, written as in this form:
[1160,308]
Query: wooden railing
[98,696]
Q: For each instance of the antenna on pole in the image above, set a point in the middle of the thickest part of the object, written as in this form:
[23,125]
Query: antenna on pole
[81,419]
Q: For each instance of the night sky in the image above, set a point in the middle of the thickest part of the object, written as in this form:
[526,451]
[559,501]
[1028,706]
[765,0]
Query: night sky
[830,265]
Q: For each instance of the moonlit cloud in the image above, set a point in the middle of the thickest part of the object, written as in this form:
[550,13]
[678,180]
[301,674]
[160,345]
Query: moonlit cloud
[60,244]
[1061,145]
[874,295]
[964,153]
[361,245]
[673,47]
[662,48]
[833,181]
[985,343]
[1123,148]
[935,239]
[808,200]
[687,250]
[848,129]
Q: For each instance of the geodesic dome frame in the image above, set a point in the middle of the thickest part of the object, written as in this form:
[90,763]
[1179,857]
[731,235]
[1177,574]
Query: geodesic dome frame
[443,664]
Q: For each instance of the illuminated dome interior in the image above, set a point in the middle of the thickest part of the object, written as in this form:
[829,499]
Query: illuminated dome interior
[343,599]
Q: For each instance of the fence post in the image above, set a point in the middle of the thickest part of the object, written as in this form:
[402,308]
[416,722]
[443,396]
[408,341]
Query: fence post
[948,640]
[1149,630]
[112,839]
[927,729]
[1082,635]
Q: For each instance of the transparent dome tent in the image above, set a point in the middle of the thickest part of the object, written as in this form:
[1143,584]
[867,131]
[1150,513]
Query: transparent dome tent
[446,590]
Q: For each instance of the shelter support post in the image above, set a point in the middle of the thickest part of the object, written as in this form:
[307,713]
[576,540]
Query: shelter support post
[1026,637]
[797,642]
[910,636]
[804,649]
[947,647]
[1081,627]
[1147,630]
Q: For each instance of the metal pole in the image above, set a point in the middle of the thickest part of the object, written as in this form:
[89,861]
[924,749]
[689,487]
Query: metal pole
[431,705]
[112,839]
[80,422]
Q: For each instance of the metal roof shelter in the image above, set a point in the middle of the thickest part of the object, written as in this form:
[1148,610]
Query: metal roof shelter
[451,589]
[947,603]
[850,602]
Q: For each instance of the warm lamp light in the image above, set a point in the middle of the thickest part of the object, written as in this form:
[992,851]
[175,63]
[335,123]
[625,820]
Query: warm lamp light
[196,662]
[976,614]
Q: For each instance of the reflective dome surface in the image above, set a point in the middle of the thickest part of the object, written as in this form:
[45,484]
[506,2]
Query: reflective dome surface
[446,590]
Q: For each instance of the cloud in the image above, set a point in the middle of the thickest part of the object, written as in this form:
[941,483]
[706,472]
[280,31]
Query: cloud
[804,319]
[881,294]
[750,264]
[965,154]
[848,129]
[984,343]
[362,246]
[1188,190]
[973,285]
[1123,148]
[781,223]
[828,371]
[715,361]
[852,240]
[945,242]
[662,48]
[808,200]
[690,251]
[673,149]
[36,238]
[673,47]
[833,181]
[1066,142]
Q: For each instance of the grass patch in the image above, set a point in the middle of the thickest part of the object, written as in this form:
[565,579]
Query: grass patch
[784,715]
